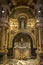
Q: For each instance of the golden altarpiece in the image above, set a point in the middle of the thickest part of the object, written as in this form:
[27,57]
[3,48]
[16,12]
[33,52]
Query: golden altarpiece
[20,35]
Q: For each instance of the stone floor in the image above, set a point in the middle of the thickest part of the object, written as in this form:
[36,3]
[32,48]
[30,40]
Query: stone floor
[21,62]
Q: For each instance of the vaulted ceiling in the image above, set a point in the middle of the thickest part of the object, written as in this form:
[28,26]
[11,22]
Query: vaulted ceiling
[11,4]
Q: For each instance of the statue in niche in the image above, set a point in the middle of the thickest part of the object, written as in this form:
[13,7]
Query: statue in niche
[23,43]
[22,22]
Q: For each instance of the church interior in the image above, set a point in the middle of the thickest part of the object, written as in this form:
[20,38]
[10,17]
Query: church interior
[21,32]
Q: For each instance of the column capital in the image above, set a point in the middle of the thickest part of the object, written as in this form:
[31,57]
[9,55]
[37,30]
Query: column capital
[39,25]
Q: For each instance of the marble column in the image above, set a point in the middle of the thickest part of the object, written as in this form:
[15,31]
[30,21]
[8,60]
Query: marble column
[40,40]
[4,25]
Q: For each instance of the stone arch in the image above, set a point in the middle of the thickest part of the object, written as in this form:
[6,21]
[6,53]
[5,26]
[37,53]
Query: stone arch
[33,53]
[28,33]
[22,33]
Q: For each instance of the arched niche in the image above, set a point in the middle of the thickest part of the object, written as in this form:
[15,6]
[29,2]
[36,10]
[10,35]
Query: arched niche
[22,45]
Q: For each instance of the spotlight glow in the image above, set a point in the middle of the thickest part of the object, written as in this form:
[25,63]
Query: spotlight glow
[3,11]
[39,11]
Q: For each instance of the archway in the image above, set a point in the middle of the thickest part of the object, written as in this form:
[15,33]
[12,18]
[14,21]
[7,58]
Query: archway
[22,46]
[23,35]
